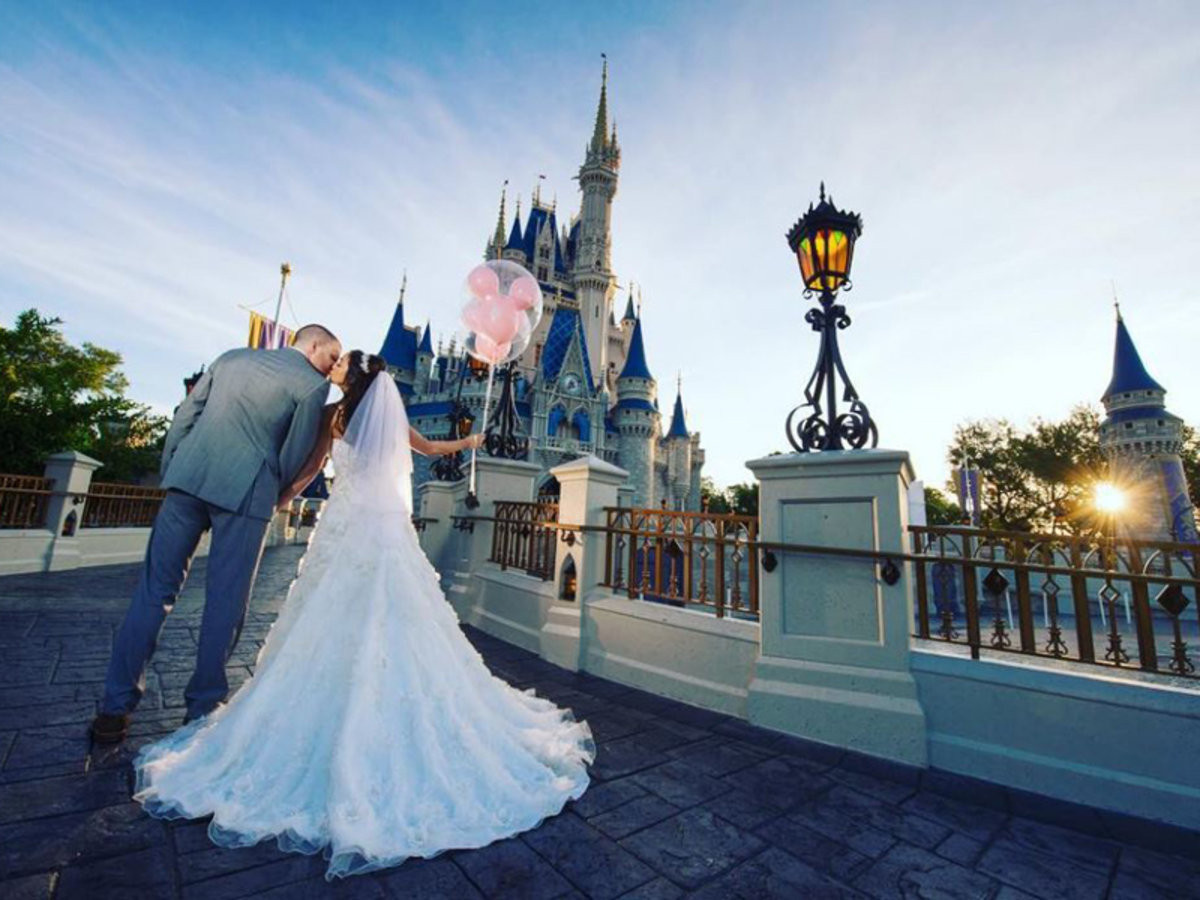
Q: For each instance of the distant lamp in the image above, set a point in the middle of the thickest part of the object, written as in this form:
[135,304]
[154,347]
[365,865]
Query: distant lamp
[1109,498]
[823,242]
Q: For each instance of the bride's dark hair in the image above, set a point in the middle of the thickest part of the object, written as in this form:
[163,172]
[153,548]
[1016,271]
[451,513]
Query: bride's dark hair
[360,373]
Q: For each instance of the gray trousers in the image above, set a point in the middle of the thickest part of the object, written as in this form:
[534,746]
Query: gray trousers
[237,542]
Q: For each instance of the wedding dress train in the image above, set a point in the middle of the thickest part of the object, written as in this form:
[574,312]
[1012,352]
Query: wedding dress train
[372,730]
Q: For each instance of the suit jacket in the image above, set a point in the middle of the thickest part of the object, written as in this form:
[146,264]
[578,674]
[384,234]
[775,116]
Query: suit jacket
[245,430]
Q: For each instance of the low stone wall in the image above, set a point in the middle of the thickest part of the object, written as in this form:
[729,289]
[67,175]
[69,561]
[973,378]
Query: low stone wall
[1121,743]
[680,653]
[24,551]
[684,654]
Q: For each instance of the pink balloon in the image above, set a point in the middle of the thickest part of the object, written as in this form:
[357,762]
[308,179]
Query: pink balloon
[500,322]
[473,315]
[491,351]
[483,281]
[524,292]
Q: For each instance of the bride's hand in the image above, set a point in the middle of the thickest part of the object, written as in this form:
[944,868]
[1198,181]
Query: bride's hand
[473,441]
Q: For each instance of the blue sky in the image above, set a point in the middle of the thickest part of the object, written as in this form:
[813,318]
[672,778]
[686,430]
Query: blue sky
[158,162]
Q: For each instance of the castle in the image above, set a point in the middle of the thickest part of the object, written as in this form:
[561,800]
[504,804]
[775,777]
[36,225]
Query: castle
[583,385]
[1142,442]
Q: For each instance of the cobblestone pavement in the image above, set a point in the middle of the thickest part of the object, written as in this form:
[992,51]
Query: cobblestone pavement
[684,802]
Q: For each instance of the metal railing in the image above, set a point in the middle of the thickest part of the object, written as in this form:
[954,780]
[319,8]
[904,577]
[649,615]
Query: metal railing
[1136,592]
[121,506]
[683,558]
[525,536]
[24,500]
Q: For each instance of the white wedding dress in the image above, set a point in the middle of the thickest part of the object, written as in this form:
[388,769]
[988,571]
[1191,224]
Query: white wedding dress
[371,730]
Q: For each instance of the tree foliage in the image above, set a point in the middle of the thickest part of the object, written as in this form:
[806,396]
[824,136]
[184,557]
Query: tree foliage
[940,509]
[1044,476]
[55,396]
[741,499]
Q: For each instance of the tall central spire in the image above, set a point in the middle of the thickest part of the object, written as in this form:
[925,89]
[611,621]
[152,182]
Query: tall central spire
[498,237]
[600,132]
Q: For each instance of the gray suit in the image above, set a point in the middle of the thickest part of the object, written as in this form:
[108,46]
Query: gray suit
[242,434]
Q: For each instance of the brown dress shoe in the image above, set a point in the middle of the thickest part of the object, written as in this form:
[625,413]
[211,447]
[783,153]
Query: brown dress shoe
[110,729]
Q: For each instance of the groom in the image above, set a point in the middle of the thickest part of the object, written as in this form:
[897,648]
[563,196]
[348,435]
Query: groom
[244,431]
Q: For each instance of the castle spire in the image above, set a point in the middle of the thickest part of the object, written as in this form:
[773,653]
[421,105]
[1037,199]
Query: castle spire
[1129,372]
[635,361]
[678,423]
[600,132]
[498,238]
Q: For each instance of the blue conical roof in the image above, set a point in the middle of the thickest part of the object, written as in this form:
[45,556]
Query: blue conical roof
[629,314]
[678,425]
[426,341]
[514,236]
[400,346]
[1129,373]
[635,362]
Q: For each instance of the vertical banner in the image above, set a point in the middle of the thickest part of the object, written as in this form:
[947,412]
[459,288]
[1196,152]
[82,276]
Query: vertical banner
[968,484]
[266,334]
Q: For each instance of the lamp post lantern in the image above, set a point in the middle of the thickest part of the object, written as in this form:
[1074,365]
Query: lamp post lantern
[823,242]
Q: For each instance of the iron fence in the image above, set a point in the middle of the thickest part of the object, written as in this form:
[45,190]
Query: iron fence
[24,500]
[1105,601]
[524,536]
[121,506]
[683,558]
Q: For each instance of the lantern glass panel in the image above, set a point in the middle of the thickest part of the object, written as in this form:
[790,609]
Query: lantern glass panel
[838,253]
[807,268]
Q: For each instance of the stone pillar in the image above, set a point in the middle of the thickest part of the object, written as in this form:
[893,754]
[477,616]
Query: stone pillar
[587,485]
[495,479]
[72,474]
[441,500]
[834,656]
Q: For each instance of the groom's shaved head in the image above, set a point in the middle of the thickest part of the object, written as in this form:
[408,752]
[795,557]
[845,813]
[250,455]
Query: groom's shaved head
[317,334]
[320,345]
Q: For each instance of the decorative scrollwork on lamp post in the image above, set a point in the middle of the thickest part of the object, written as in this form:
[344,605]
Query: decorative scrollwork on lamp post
[823,241]
[503,432]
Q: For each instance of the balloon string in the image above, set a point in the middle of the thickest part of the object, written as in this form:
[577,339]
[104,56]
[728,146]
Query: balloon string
[487,401]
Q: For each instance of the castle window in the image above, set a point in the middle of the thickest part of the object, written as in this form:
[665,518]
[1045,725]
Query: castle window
[1160,423]
[1127,424]
[541,273]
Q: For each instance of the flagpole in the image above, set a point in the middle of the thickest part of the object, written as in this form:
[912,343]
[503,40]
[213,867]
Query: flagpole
[284,271]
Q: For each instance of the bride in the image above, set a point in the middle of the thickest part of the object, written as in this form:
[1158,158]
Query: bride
[371,731]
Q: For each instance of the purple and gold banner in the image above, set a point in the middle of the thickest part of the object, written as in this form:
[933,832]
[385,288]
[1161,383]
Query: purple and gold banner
[266,334]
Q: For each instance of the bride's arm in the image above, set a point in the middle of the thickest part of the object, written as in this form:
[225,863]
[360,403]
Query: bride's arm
[314,463]
[425,446]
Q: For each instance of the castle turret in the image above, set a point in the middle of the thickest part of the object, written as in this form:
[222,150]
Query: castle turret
[678,447]
[593,275]
[1142,442]
[514,248]
[638,421]
[399,348]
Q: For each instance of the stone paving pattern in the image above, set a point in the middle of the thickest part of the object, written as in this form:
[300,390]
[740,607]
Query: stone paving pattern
[685,802]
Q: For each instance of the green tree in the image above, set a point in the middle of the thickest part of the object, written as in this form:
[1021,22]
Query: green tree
[940,509]
[712,498]
[55,396]
[1044,476]
[743,499]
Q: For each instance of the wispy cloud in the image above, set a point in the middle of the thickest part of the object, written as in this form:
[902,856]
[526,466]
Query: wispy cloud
[1008,162]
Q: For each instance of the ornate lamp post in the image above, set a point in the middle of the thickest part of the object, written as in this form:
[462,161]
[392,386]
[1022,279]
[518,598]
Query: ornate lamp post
[823,241]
